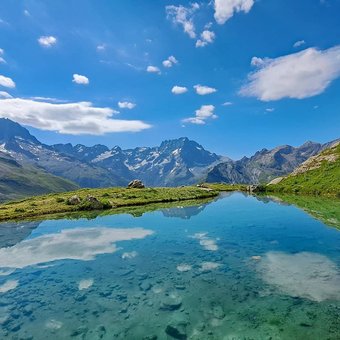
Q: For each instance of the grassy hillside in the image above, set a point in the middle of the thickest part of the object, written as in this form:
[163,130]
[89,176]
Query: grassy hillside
[107,198]
[19,181]
[319,175]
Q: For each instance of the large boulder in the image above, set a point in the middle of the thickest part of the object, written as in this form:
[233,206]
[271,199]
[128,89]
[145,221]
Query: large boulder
[74,200]
[136,184]
[91,203]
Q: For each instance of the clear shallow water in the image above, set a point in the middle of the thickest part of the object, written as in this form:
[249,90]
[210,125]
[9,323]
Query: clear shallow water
[237,268]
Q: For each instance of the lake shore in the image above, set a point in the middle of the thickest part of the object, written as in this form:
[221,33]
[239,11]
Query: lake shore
[105,199]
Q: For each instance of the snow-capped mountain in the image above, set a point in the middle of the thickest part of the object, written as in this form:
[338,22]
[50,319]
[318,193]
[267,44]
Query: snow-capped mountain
[174,162]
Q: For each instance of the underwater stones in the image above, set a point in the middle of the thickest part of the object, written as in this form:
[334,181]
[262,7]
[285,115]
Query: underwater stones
[79,331]
[129,255]
[218,312]
[150,337]
[171,303]
[53,324]
[256,257]
[136,184]
[145,286]
[80,297]
[183,267]
[208,266]
[177,329]
[85,284]
[74,200]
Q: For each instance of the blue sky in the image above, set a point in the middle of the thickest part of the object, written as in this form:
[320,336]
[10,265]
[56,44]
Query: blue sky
[66,65]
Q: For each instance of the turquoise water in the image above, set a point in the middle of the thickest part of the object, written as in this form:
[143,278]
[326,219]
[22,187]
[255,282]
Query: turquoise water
[236,268]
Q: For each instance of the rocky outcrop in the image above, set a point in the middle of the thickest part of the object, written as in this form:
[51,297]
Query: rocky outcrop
[74,200]
[136,184]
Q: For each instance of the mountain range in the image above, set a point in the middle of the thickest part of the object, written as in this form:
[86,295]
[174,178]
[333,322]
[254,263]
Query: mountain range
[175,162]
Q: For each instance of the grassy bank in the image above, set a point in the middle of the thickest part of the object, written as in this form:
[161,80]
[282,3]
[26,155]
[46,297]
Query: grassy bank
[319,176]
[109,199]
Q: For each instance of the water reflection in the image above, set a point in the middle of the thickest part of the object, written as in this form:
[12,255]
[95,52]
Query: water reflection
[77,244]
[14,232]
[306,275]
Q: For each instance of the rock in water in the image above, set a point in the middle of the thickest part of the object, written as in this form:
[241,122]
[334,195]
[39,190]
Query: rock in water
[136,184]
[170,303]
[74,200]
[177,330]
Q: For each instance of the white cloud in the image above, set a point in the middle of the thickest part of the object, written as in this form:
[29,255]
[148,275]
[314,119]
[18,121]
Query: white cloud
[2,60]
[270,109]
[207,37]
[47,41]
[27,13]
[68,118]
[74,244]
[225,9]
[183,16]
[126,105]
[299,43]
[6,82]
[201,115]
[79,79]
[204,90]
[299,75]
[179,89]
[153,69]
[171,61]
[101,47]
[4,94]
[227,104]
[255,61]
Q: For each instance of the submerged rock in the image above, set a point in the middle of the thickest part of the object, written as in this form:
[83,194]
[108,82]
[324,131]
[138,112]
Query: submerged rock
[177,329]
[170,303]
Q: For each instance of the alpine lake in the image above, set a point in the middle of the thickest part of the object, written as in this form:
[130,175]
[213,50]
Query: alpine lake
[237,267]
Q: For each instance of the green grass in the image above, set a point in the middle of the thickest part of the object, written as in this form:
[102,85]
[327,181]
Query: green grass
[19,181]
[324,180]
[112,199]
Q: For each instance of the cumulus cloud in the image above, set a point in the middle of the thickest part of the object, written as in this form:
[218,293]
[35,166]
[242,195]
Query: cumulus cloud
[299,75]
[227,104]
[171,61]
[204,113]
[4,94]
[183,16]
[126,105]
[74,244]
[47,41]
[225,9]
[207,37]
[299,43]
[81,80]
[6,82]
[256,61]
[68,118]
[204,90]
[179,89]
[153,69]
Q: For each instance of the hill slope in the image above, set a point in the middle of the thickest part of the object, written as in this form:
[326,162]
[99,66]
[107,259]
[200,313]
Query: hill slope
[264,165]
[320,174]
[19,181]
